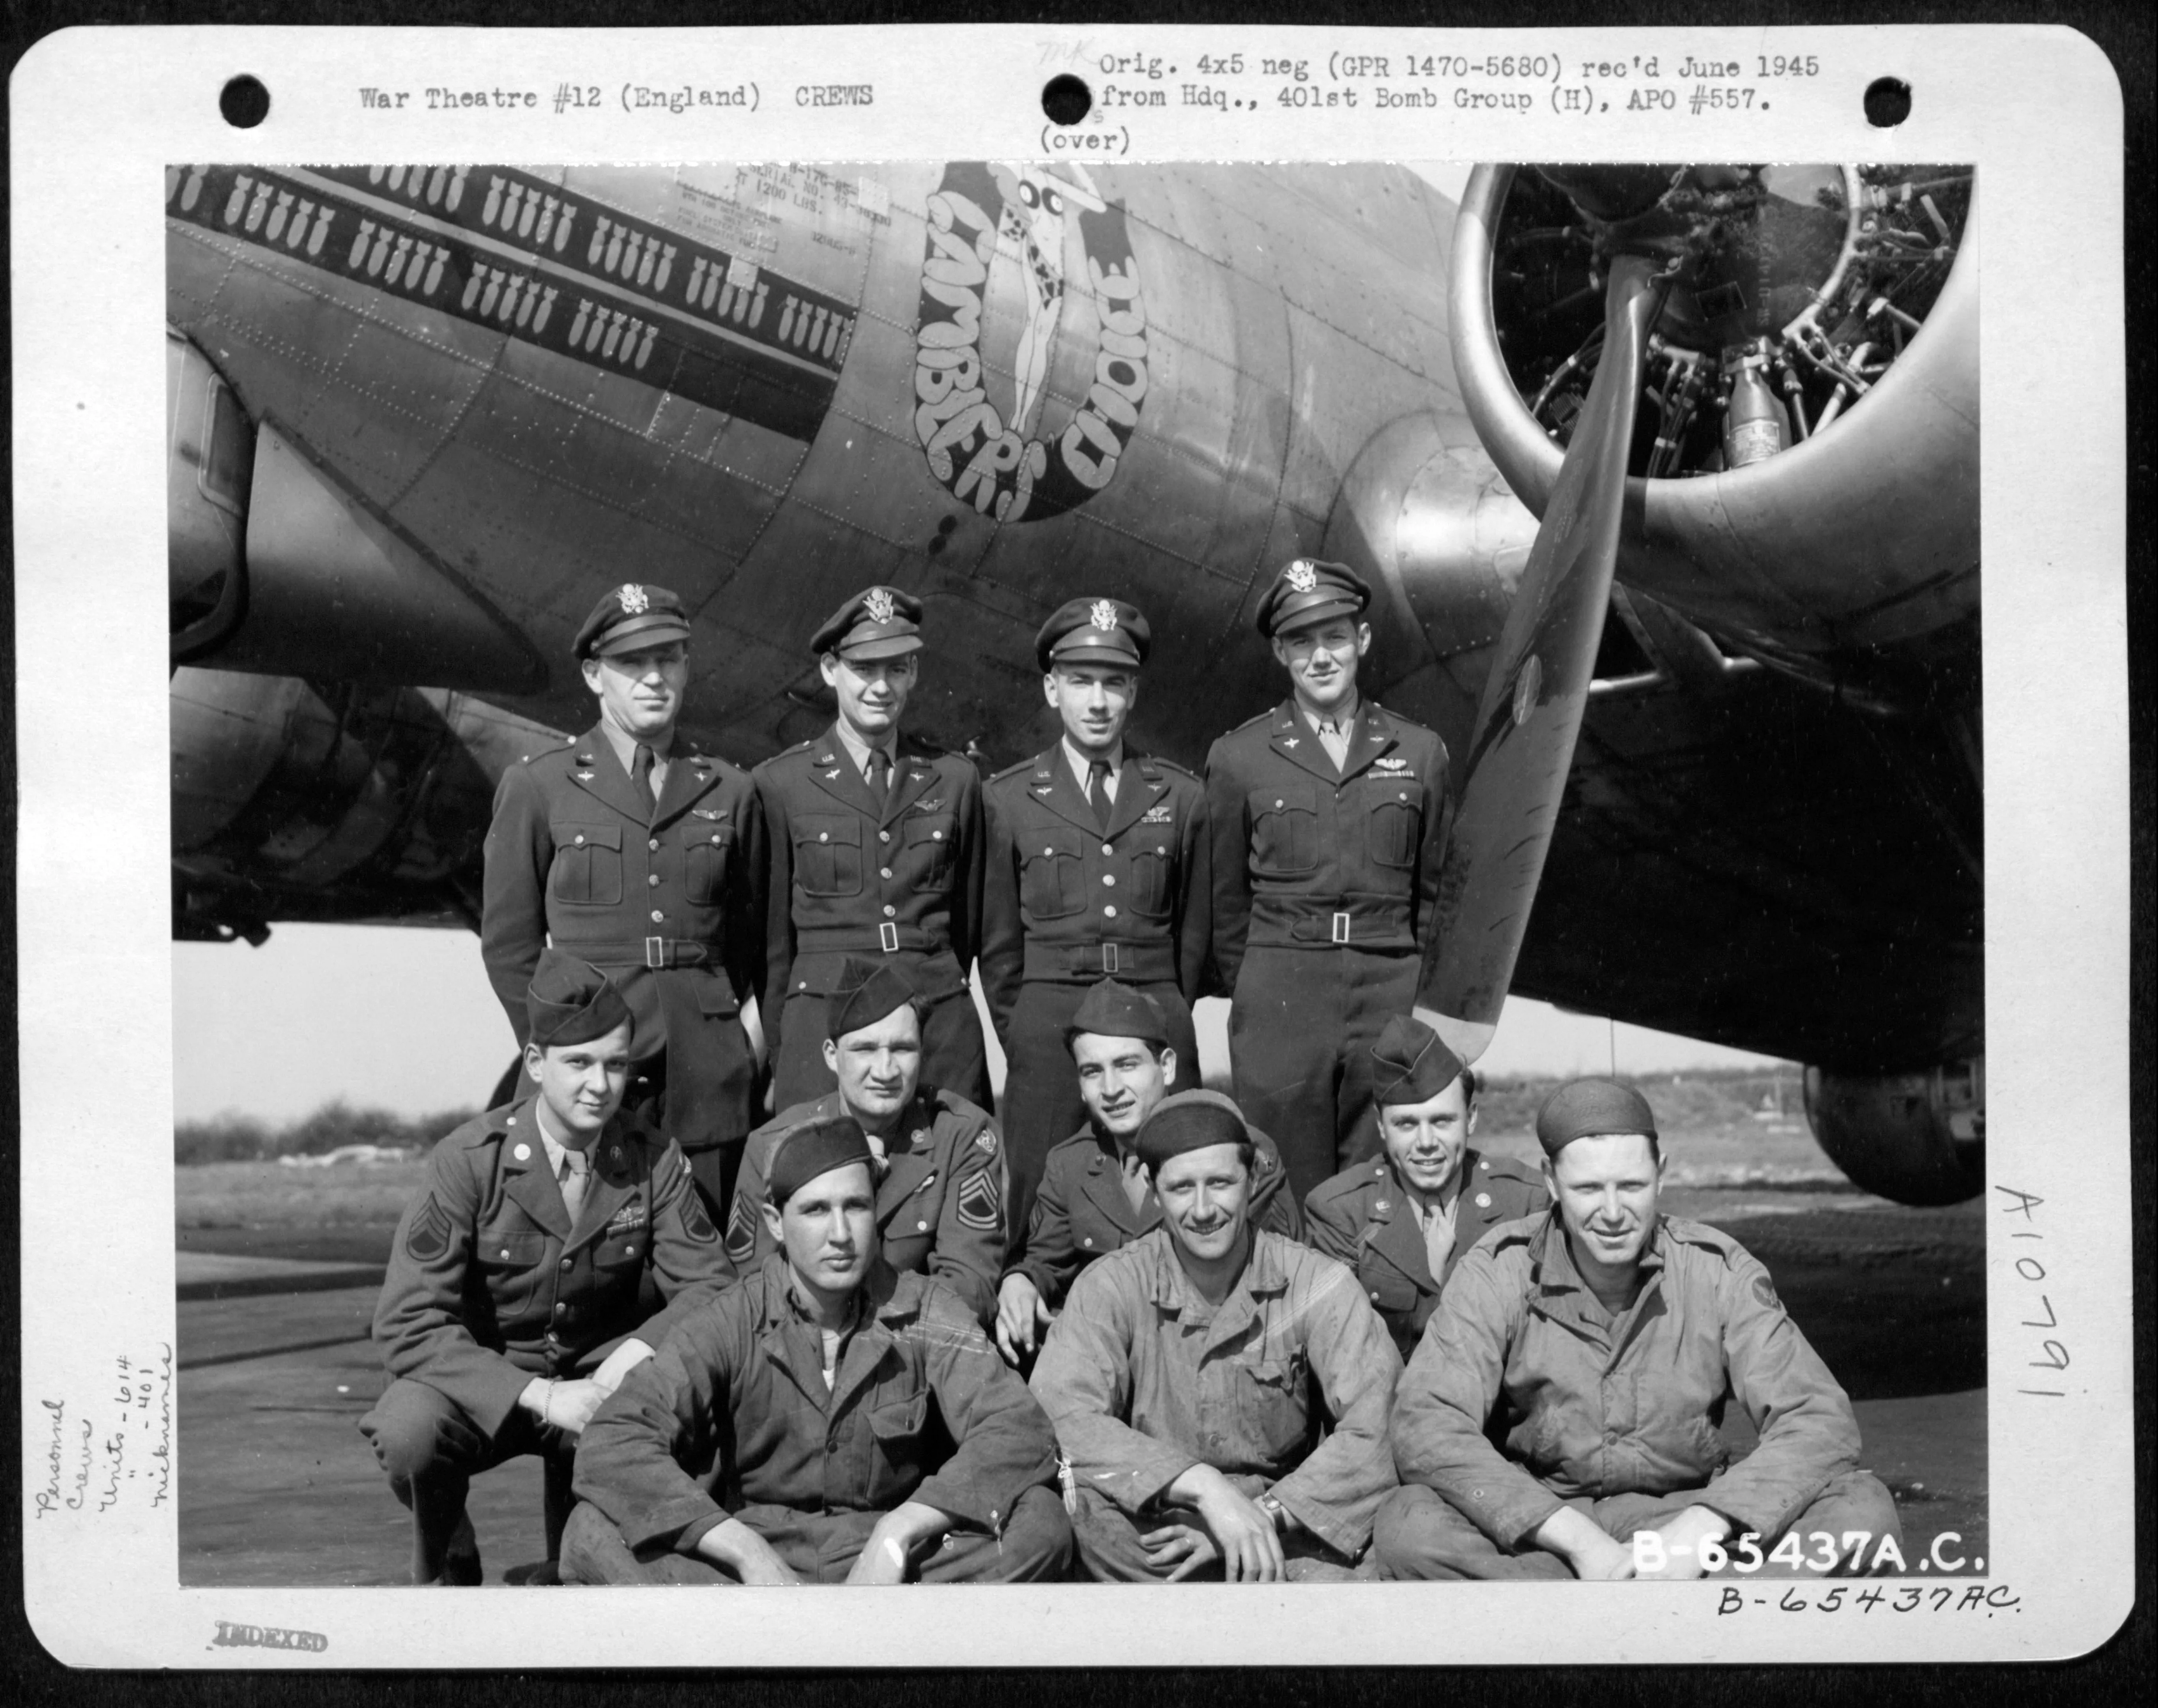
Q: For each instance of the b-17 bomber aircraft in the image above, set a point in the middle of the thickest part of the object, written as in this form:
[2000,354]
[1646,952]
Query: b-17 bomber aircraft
[1667,477]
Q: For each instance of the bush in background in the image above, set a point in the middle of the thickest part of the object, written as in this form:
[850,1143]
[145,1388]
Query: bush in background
[243,1138]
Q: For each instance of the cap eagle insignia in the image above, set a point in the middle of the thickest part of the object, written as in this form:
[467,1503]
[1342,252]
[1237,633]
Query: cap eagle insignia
[633,600]
[878,603]
[1103,616]
[1303,577]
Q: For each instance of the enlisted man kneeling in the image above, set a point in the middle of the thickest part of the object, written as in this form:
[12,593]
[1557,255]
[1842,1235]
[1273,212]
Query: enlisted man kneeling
[1601,1342]
[827,1420]
[1402,1222]
[939,1169]
[1193,1373]
[515,1301]
[1096,1195]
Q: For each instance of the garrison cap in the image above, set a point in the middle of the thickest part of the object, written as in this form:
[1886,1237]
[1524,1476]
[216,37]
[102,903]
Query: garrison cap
[1310,590]
[1094,632]
[1186,1121]
[1592,1109]
[1114,1011]
[632,616]
[1411,1063]
[571,1001]
[879,623]
[815,1148]
[864,993]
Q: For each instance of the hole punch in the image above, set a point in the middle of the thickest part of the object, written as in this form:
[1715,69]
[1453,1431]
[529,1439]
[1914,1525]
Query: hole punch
[1887,102]
[244,102]
[1066,98]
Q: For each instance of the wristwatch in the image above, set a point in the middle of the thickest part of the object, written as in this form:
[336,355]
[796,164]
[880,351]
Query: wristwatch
[1274,1511]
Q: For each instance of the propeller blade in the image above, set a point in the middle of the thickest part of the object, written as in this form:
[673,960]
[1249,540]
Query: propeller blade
[1516,764]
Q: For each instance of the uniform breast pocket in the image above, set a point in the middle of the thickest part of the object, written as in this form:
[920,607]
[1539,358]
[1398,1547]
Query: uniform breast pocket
[928,839]
[827,855]
[1397,817]
[510,1261]
[1284,830]
[1391,1292]
[707,851]
[1152,865]
[897,1428]
[1274,1409]
[587,864]
[1052,871]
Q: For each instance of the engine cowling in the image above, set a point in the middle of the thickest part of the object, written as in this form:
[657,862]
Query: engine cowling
[1916,1137]
[1811,429]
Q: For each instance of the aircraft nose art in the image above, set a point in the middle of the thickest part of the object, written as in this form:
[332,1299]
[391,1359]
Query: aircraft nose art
[511,252]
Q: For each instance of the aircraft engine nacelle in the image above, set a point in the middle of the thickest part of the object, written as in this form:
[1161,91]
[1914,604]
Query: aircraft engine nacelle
[1915,1137]
[278,565]
[1810,427]
[332,803]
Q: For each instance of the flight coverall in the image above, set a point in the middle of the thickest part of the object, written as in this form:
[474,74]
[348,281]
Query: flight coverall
[489,1285]
[732,1418]
[1324,887]
[1145,1380]
[1066,904]
[1081,1212]
[1615,1418]
[900,879]
[940,1195]
[1363,1218]
[669,904]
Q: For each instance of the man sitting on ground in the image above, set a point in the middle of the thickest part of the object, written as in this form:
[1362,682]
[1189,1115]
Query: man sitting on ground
[1600,1342]
[1192,1373]
[827,1420]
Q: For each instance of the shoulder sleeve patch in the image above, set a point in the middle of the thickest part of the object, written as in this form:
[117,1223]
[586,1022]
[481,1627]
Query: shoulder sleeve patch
[1764,1293]
[986,1140]
[741,1230]
[429,1237]
[696,1223]
[982,1198]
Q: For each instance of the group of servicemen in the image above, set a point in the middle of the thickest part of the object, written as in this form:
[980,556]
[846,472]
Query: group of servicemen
[1151,1332]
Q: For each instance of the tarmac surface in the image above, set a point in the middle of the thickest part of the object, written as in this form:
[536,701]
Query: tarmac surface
[277,1486]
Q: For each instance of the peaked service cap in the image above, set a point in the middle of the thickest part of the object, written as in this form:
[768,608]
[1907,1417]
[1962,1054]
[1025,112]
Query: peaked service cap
[1309,590]
[634,615]
[878,622]
[1094,632]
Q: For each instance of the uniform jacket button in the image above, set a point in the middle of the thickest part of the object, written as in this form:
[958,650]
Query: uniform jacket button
[653,844]
[566,1262]
[581,841]
[889,911]
[1110,879]
[1108,848]
[1108,913]
[884,871]
[883,836]
[654,879]
[657,915]
[560,1307]
[823,836]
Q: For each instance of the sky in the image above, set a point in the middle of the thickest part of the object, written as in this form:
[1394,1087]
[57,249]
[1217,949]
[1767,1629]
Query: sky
[405,1020]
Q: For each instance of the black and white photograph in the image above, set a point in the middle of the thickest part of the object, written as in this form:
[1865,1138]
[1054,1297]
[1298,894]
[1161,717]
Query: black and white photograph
[1061,868]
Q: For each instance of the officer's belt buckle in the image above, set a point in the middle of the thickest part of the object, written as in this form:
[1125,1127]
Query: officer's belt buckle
[1340,927]
[655,952]
[1111,962]
[888,937]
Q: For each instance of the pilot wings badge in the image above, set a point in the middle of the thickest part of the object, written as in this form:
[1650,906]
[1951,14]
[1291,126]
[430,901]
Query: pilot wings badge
[1303,577]
[878,602]
[634,600]
[1103,614]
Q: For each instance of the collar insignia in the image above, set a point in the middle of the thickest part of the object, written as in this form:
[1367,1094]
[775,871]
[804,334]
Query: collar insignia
[1303,577]
[878,602]
[1289,742]
[831,776]
[584,777]
[634,600]
[1102,615]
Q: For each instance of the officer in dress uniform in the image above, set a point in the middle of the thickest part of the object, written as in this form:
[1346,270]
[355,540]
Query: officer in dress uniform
[940,1171]
[1096,1197]
[638,852]
[1098,868]
[875,849]
[1403,1220]
[516,1296]
[1329,816]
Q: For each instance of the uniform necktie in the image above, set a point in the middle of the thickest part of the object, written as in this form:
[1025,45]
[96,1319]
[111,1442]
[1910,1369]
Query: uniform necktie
[1097,790]
[1437,1239]
[1333,737]
[640,773]
[573,1185]
[880,774]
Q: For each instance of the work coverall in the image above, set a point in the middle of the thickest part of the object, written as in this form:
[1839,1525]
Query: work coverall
[1616,1416]
[1145,1379]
